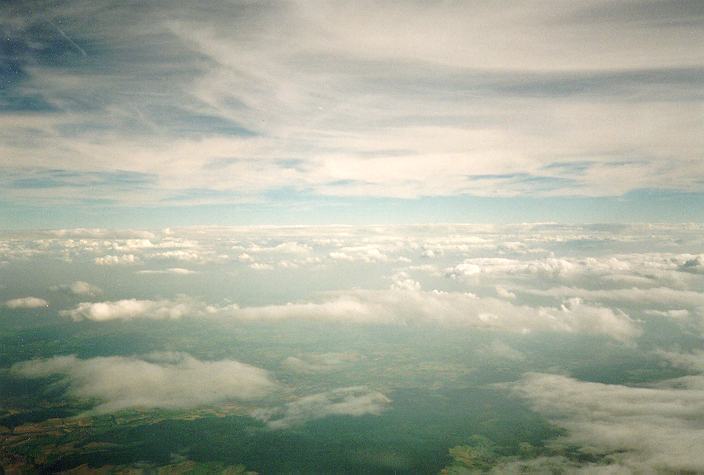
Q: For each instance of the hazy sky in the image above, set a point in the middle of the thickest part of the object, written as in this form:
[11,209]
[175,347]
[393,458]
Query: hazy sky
[151,113]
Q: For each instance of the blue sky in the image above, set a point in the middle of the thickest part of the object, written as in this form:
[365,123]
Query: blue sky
[159,113]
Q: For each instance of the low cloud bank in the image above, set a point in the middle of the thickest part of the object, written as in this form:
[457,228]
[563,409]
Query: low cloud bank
[159,380]
[26,302]
[387,307]
[351,401]
[129,309]
[637,429]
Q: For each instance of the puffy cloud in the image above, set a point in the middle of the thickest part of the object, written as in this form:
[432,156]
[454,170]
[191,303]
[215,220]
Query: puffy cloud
[651,296]
[448,308]
[638,429]
[618,270]
[84,288]
[185,255]
[164,380]
[80,288]
[386,307]
[129,309]
[289,247]
[504,293]
[171,270]
[110,260]
[549,267]
[26,302]
[351,401]
[402,281]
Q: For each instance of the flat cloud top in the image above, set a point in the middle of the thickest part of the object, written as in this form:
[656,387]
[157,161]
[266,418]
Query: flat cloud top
[639,428]
[162,380]
[26,302]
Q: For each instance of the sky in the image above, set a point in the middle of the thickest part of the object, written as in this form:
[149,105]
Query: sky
[158,113]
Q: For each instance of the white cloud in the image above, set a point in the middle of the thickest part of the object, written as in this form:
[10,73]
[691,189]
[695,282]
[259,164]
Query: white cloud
[402,281]
[444,308]
[80,288]
[362,253]
[129,309]
[549,267]
[352,401]
[84,288]
[289,247]
[618,270]
[26,302]
[651,296]
[110,260]
[164,380]
[386,307]
[676,314]
[482,82]
[185,255]
[504,293]
[171,270]
[638,429]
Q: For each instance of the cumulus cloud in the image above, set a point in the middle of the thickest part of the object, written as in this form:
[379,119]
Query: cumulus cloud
[650,296]
[79,288]
[289,247]
[642,270]
[351,401]
[549,267]
[110,260]
[637,429]
[402,281]
[365,253]
[128,309]
[26,302]
[159,380]
[386,307]
[449,308]
[171,270]
[504,293]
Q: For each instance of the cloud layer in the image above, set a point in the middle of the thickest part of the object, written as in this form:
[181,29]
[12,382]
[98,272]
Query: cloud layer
[26,302]
[161,380]
[223,103]
[352,401]
[638,429]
